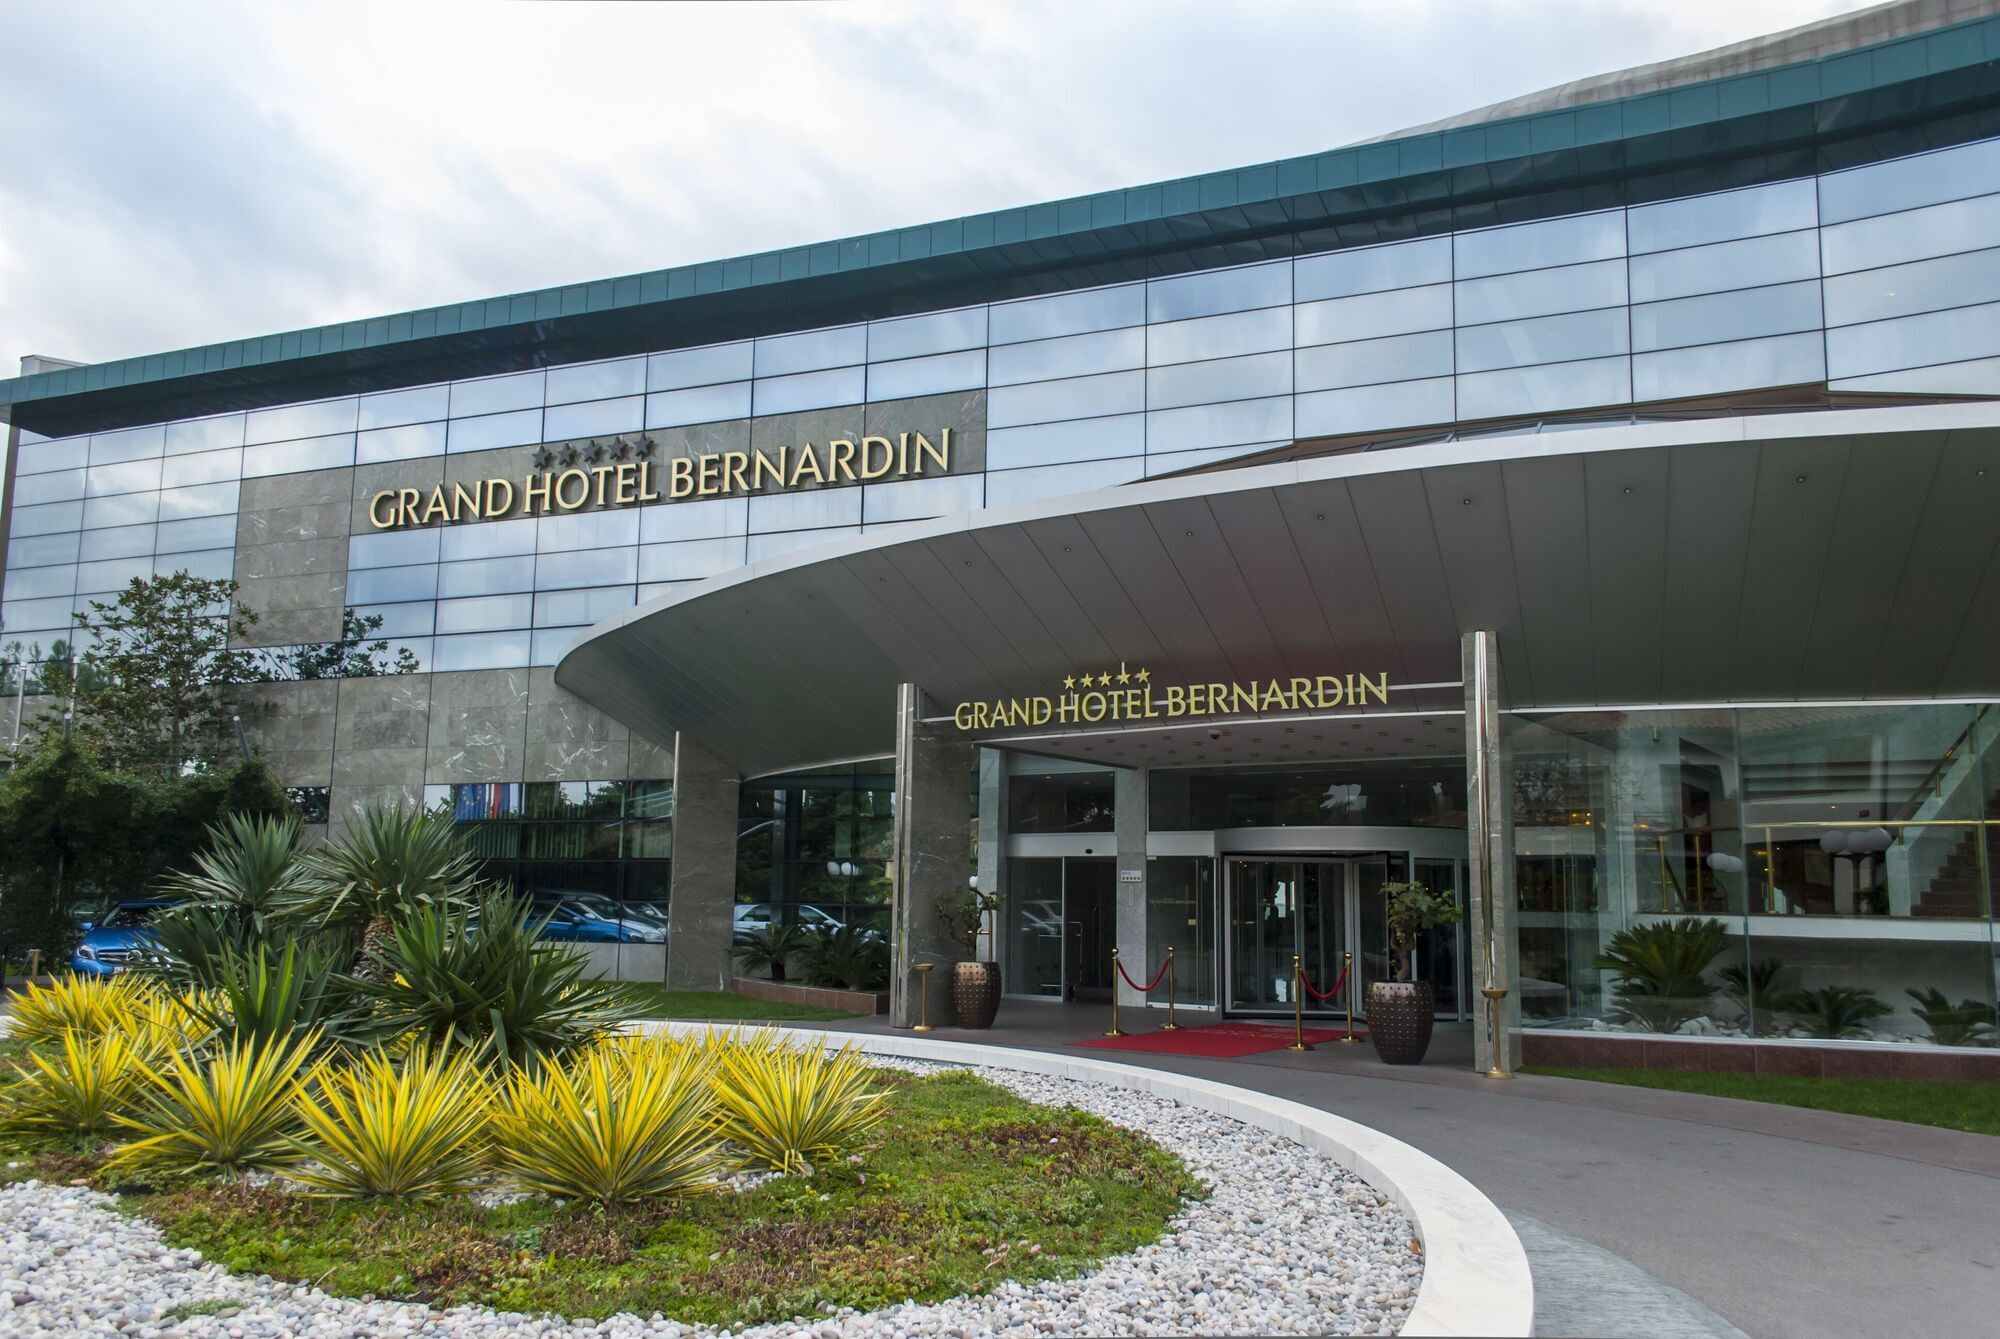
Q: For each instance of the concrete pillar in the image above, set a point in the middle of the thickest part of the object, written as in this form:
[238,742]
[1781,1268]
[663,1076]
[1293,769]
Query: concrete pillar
[932,854]
[1129,823]
[701,899]
[1489,832]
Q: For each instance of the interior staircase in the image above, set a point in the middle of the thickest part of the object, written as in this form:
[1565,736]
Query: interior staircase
[1954,891]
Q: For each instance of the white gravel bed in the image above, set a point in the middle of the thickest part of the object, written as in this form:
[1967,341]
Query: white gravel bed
[1286,1242]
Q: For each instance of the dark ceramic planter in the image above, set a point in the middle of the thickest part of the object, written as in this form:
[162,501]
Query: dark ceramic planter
[1400,1016]
[975,993]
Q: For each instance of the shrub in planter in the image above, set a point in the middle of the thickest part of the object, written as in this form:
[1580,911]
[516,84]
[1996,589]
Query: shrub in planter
[1662,969]
[975,986]
[1962,1024]
[847,959]
[772,949]
[1401,1013]
[1833,1012]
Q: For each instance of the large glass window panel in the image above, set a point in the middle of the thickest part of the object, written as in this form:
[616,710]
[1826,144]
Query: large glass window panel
[807,509]
[915,336]
[1216,291]
[1005,488]
[566,608]
[1067,314]
[131,477]
[400,620]
[700,404]
[914,499]
[28,616]
[1055,443]
[1034,952]
[1913,341]
[707,519]
[124,509]
[408,442]
[1977,376]
[597,567]
[561,422]
[763,548]
[484,650]
[1396,404]
[1365,362]
[40,583]
[927,376]
[1372,315]
[1372,269]
[690,559]
[497,395]
[1527,390]
[487,539]
[55,486]
[1224,379]
[315,453]
[392,548]
[393,409]
[1548,339]
[1060,802]
[1940,230]
[1902,290]
[112,574]
[112,448]
[699,367]
[523,427]
[1219,336]
[1534,246]
[1174,461]
[1782,258]
[811,390]
[1904,183]
[323,418]
[207,565]
[206,468]
[1067,356]
[125,541]
[1509,297]
[1718,317]
[45,519]
[388,585]
[1783,206]
[486,576]
[484,613]
[203,532]
[39,550]
[781,355]
[1709,368]
[1077,397]
[41,457]
[204,434]
[215,499]
[589,530]
[595,381]
[1219,425]
[547,646]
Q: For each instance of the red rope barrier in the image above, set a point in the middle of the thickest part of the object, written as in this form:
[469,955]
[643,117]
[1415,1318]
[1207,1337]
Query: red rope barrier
[1146,989]
[1306,982]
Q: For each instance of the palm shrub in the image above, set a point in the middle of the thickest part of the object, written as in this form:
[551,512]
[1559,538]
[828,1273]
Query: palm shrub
[611,1126]
[77,1087]
[392,864]
[772,949]
[479,980]
[231,1112]
[1752,989]
[1660,967]
[1961,1024]
[1834,1011]
[848,959]
[790,1108]
[380,1128]
[82,1004]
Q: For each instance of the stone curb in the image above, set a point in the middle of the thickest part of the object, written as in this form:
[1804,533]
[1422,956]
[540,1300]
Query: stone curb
[1476,1279]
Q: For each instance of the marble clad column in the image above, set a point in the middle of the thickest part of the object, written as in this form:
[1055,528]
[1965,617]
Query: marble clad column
[993,844]
[1128,797]
[701,898]
[932,855]
[1489,833]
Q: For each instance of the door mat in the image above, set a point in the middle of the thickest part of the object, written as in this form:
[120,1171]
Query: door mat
[1222,1041]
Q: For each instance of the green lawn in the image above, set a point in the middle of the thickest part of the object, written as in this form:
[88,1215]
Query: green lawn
[1974,1107]
[725,1005]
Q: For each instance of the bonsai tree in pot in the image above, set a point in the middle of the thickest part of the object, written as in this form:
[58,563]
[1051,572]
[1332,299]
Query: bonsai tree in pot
[975,986]
[1402,1012]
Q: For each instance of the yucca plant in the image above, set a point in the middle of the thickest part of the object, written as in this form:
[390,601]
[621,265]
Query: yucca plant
[78,1088]
[390,865]
[790,1108]
[263,996]
[1834,1011]
[230,1113]
[82,1004]
[1661,969]
[383,1128]
[1962,1024]
[609,1126]
[252,868]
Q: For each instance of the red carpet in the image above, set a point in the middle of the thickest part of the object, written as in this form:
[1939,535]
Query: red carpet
[1222,1041]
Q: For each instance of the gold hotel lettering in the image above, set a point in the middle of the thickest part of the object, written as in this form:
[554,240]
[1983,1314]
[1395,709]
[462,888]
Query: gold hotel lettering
[1084,705]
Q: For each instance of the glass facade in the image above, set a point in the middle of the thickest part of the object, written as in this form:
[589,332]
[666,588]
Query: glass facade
[813,849]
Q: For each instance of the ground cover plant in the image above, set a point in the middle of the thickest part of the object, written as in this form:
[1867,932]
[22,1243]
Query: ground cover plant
[1974,1107]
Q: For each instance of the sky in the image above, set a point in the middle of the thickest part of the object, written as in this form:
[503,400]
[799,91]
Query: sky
[176,175]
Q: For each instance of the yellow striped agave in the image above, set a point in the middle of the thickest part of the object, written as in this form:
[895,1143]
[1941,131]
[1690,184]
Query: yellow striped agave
[381,1127]
[80,1088]
[231,1112]
[790,1108]
[87,1005]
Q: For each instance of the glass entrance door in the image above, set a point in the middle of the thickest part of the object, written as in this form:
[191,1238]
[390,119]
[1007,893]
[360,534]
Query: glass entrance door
[1282,907]
[1061,924]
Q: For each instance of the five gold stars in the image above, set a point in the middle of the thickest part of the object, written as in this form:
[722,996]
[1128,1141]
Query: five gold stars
[1103,678]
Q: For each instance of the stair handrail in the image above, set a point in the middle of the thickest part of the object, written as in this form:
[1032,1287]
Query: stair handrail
[1934,780]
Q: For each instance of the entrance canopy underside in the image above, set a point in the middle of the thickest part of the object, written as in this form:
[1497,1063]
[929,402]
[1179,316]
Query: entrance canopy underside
[1833,555]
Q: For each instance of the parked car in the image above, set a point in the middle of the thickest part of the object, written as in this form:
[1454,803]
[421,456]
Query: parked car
[108,946]
[754,916]
[592,918]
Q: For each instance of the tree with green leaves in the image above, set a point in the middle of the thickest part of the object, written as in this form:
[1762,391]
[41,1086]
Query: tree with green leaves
[355,654]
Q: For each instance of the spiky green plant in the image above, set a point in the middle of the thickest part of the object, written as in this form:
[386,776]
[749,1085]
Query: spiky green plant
[790,1108]
[390,865]
[76,1087]
[230,1113]
[1962,1024]
[82,1004]
[264,995]
[1661,969]
[772,949]
[1752,989]
[1834,1011]
[847,959]
[390,1129]
[251,869]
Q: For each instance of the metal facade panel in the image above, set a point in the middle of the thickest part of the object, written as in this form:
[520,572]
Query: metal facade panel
[1327,533]
[1624,496]
[1711,498]
[1261,545]
[1476,547]
[1396,522]
[1798,487]
[1949,556]
[1549,524]
[1192,539]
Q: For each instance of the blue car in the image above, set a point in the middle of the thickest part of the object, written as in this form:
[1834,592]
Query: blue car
[109,945]
[591,918]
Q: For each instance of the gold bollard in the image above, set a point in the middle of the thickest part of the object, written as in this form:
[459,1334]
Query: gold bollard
[923,971]
[1171,1025]
[1495,994]
[1298,1007]
[1347,987]
[1115,1030]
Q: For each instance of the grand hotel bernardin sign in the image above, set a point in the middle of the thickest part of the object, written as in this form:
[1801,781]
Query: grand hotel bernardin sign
[623,475]
[1131,695]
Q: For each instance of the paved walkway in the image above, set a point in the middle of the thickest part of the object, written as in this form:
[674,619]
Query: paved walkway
[1685,1214]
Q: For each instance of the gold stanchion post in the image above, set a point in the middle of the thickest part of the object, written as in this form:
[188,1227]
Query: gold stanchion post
[923,971]
[1494,995]
[1298,1007]
[1171,1025]
[1347,988]
[1114,1030]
